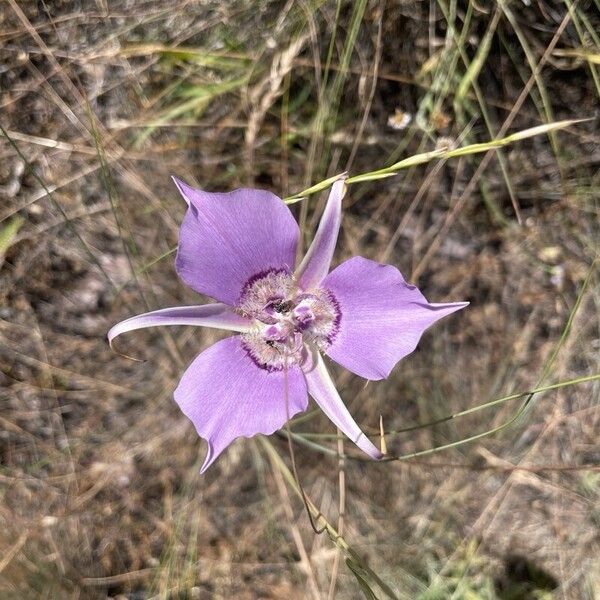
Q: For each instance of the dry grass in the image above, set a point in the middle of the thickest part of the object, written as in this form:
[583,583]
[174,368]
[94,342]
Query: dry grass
[98,469]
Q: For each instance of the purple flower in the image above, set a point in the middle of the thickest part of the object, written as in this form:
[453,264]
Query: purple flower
[240,248]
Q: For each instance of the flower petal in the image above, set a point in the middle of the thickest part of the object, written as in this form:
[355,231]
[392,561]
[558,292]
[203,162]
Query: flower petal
[219,316]
[226,239]
[382,316]
[316,262]
[322,389]
[226,395]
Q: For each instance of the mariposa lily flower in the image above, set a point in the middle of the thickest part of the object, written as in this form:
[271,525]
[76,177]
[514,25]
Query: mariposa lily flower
[240,249]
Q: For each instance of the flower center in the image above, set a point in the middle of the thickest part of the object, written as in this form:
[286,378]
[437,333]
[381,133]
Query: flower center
[289,322]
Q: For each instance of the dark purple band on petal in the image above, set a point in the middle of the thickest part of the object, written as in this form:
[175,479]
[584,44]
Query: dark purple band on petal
[251,349]
[338,316]
[257,277]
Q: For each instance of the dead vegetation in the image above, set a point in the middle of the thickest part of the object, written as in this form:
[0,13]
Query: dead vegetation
[102,101]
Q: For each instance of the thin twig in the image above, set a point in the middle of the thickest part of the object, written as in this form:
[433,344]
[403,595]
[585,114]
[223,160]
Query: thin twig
[341,513]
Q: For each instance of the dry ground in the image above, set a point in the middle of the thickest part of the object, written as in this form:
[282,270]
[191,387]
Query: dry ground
[103,100]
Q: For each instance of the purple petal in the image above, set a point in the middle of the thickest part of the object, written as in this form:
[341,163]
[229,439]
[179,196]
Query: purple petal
[382,316]
[316,262]
[219,316]
[226,239]
[226,396]
[322,389]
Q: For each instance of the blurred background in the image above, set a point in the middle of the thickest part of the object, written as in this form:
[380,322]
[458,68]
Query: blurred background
[102,100]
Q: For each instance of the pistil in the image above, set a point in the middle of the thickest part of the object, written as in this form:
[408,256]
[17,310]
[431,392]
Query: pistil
[287,319]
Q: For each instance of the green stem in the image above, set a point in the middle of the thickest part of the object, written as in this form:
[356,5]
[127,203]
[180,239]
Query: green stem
[352,557]
[425,157]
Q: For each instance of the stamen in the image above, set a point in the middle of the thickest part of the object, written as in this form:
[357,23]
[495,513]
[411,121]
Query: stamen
[286,320]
